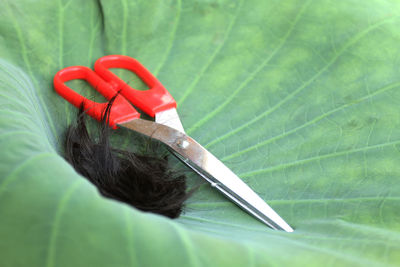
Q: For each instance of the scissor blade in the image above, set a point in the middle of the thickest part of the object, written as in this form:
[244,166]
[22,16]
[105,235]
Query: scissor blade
[170,118]
[211,169]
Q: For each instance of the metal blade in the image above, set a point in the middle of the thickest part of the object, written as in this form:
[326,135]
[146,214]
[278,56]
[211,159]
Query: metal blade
[211,169]
[170,118]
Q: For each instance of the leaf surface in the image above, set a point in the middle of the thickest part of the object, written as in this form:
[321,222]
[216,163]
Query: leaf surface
[299,98]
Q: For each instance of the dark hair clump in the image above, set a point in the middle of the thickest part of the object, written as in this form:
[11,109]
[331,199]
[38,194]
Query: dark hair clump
[144,182]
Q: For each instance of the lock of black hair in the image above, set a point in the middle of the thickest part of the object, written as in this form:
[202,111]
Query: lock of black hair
[142,181]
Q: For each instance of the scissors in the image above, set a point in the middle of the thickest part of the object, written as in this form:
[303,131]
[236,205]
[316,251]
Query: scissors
[167,127]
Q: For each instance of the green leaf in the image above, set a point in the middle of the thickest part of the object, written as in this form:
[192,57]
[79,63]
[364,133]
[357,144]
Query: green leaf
[299,98]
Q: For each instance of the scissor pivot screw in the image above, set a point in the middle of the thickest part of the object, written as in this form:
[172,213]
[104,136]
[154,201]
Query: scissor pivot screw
[182,143]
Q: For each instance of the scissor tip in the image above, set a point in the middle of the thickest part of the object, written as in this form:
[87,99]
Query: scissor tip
[285,227]
[280,224]
[290,230]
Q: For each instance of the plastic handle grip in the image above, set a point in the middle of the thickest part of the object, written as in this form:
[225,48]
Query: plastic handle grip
[151,101]
[121,110]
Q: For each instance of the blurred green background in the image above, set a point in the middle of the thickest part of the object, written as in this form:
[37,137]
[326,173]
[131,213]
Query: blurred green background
[299,98]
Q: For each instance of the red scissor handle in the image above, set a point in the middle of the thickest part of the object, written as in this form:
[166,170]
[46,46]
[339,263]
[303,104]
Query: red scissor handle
[121,110]
[151,101]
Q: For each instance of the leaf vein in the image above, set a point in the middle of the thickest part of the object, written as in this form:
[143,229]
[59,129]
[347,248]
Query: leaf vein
[50,259]
[252,75]
[325,156]
[171,40]
[192,85]
[21,39]
[313,121]
[299,89]
[12,175]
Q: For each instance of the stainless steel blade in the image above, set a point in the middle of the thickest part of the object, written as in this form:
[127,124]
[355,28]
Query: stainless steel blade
[170,118]
[211,169]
